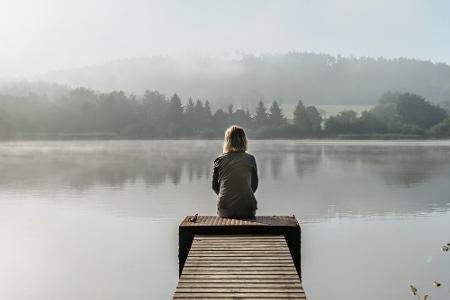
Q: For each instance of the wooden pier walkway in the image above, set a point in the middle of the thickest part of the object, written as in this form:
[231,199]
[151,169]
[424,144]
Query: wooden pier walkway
[239,259]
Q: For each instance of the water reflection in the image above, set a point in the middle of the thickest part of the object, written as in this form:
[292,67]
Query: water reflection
[348,178]
[308,160]
[398,166]
[85,164]
[92,211]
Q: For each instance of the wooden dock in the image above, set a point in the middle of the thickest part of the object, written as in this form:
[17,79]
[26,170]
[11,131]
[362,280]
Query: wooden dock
[239,259]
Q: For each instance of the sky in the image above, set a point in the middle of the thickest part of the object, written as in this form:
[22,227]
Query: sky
[37,36]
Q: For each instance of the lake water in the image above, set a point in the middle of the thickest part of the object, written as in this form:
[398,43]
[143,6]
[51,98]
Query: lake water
[85,220]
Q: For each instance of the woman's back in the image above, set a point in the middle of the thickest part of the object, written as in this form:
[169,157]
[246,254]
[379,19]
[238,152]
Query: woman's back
[235,179]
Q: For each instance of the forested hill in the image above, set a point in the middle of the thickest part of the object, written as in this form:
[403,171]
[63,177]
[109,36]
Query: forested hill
[315,78]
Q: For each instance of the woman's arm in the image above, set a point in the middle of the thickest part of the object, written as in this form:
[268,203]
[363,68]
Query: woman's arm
[254,177]
[215,178]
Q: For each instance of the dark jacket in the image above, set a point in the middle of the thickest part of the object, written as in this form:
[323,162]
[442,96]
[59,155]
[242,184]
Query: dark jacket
[235,179]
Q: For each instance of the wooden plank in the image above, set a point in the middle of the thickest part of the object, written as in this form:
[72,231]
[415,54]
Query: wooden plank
[243,240]
[257,282]
[259,260]
[248,252]
[238,248]
[242,255]
[253,245]
[239,267]
[237,261]
[263,238]
[258,221]
[263,295]
[222,284]
[242,272]
[237,290]
[246,297]
[233,280]
[241,244]
[238,278]
[236,264]
[224,297]
[248,258]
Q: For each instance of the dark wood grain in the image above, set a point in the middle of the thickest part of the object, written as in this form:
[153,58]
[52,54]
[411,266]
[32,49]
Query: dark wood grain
[239,267]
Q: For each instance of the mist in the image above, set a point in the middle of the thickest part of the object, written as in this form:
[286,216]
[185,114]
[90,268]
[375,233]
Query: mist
[120,118]
[46,35]
[245,79]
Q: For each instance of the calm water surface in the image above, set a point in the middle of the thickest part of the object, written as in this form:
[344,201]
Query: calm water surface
[98,219]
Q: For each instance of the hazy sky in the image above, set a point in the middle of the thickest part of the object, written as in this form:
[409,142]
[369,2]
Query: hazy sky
[41,35]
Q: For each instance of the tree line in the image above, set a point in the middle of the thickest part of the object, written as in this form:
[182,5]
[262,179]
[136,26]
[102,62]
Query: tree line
[84,113]
[397,115]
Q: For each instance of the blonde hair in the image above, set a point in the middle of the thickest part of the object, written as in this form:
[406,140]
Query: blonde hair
[235,140]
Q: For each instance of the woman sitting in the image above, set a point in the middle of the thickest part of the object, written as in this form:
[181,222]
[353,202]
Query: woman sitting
[235,177]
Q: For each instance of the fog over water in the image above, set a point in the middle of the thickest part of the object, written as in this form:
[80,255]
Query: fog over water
[94,219]
[98,219]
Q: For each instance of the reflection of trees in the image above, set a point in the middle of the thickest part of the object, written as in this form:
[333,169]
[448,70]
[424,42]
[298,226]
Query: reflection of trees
[362,178]
[270,157]
[61,164]
[307,160]
[81,165]
[274,155]
[410,169]
[262,162]
[398,166]
[354,178]
[276,164]
[198,166]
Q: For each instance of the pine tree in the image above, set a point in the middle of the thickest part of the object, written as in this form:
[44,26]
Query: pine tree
[241,118]
[175,108]
[199,108]
[190,106]
[315,119]
[190,115]
[175,116]
[301,117]
[276,117]
[207,114]
[261,117]
[155,108]
[220,120]
[199,115]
